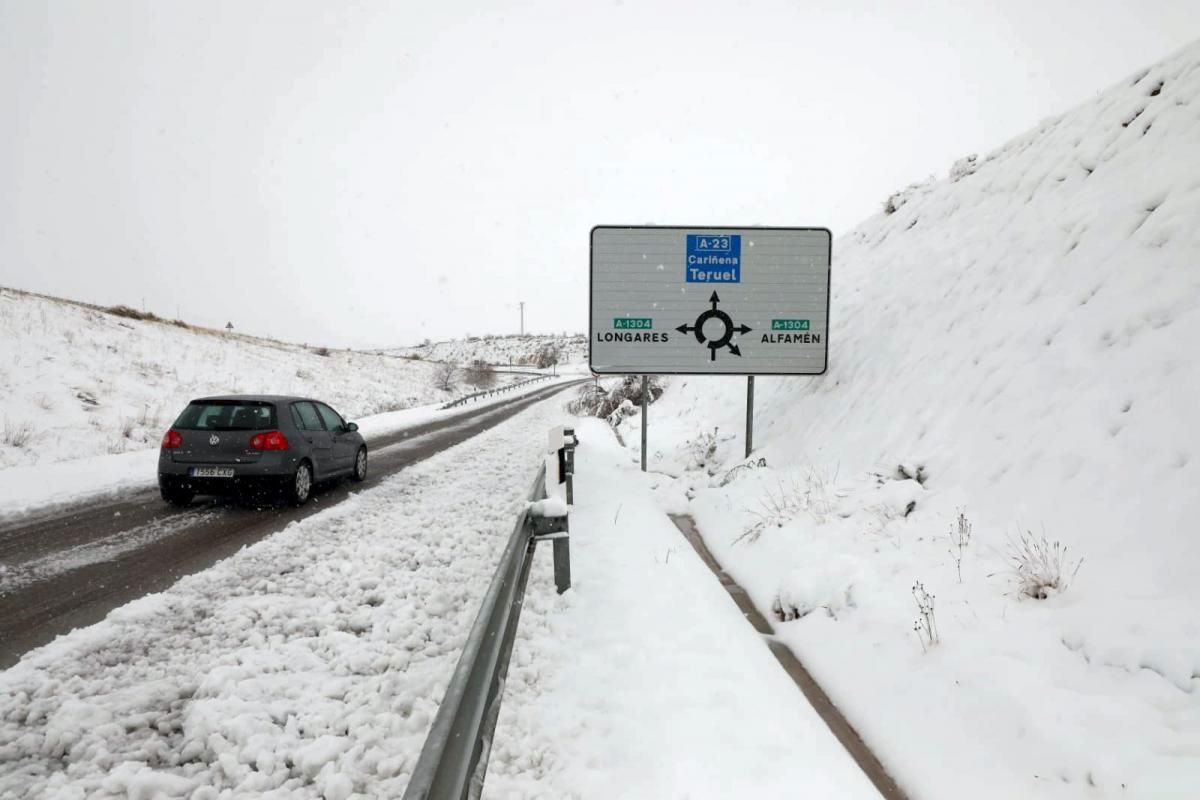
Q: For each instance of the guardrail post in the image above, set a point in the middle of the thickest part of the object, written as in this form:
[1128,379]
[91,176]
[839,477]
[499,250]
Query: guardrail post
[562,564]
[569,463]
[561,448]
[558,531]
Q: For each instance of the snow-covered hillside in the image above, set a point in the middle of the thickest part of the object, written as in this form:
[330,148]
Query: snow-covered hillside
[1018,342]
[515,350]
[76,381]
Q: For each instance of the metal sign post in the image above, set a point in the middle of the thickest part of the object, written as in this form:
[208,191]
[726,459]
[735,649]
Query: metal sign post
[645,408]
[749,415]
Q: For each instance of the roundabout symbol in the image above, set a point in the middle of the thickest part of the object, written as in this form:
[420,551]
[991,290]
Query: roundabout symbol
[725,339]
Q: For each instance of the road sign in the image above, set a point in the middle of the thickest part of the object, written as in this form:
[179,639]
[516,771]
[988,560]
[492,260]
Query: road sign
[701,301]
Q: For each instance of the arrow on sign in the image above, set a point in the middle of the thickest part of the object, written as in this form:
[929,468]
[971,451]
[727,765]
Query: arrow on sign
[722,341]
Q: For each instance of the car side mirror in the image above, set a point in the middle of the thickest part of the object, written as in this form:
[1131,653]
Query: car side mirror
[351,427]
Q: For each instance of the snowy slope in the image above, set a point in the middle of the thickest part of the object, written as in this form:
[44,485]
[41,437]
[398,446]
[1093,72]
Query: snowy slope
[516,350]
[78,382]
[1021,337]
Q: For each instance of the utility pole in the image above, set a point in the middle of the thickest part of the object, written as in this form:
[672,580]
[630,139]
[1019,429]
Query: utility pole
[522,305]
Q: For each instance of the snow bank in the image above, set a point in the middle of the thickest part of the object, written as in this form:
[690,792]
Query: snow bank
[645,680]
[1019,342]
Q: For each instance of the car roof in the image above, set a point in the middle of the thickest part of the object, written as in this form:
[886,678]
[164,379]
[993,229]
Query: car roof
[254,398]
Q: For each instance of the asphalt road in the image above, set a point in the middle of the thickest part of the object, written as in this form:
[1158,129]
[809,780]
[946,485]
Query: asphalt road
[70,567]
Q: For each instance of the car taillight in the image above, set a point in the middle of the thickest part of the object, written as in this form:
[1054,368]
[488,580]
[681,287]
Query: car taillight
[272,440]
[172,440]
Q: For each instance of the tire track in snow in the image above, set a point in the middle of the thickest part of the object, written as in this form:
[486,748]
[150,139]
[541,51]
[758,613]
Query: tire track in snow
[18,574]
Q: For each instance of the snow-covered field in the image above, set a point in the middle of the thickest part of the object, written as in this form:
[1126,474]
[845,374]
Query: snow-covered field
[78,382]
[515,350]
[1018,343]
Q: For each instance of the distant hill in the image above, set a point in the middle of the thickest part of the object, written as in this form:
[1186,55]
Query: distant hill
[499,350]
[79,380]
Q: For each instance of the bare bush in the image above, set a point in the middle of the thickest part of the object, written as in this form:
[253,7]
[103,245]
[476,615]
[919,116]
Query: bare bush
[547,355]
[18,434]
[789,500]
[614,405]
[131,313]
[445,376]
[480,374]
[322,351]
[704,452]
[925,625]
[127,426]
[45,402]
[149,418]
[753,464]
[1040,568]
[960,537]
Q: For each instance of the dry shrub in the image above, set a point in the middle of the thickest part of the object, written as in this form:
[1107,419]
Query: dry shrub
[480,374]
[614,405]
[1040,568]
[18,434]
[131,313]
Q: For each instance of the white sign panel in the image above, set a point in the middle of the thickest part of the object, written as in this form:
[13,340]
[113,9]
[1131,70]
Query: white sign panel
[709,301]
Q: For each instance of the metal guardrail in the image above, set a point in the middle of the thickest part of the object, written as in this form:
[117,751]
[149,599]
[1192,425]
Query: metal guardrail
[466,398]
[453,761]
[504,369]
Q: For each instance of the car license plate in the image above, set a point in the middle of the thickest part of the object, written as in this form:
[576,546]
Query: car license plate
[212,472]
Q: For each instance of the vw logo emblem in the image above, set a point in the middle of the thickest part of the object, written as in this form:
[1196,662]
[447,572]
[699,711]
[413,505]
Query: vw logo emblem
[214,440]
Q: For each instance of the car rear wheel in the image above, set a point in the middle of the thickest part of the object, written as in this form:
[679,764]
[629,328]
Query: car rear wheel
[298,489]
[176,495]
[360,466]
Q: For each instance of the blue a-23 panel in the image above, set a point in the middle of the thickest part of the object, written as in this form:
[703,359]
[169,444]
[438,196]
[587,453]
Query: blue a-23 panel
[713,258]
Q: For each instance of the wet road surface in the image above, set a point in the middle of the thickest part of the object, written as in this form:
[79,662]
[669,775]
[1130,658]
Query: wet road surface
[70,567]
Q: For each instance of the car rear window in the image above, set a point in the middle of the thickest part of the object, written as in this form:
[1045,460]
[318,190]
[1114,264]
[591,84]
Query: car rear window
[227,415]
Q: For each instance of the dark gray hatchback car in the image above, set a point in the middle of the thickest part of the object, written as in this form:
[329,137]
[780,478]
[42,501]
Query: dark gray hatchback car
[231,444]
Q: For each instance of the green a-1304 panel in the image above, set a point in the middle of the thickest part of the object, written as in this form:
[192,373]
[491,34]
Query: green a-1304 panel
[709,301]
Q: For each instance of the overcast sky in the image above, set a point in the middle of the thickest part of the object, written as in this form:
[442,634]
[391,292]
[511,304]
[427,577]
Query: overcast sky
[376,173]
